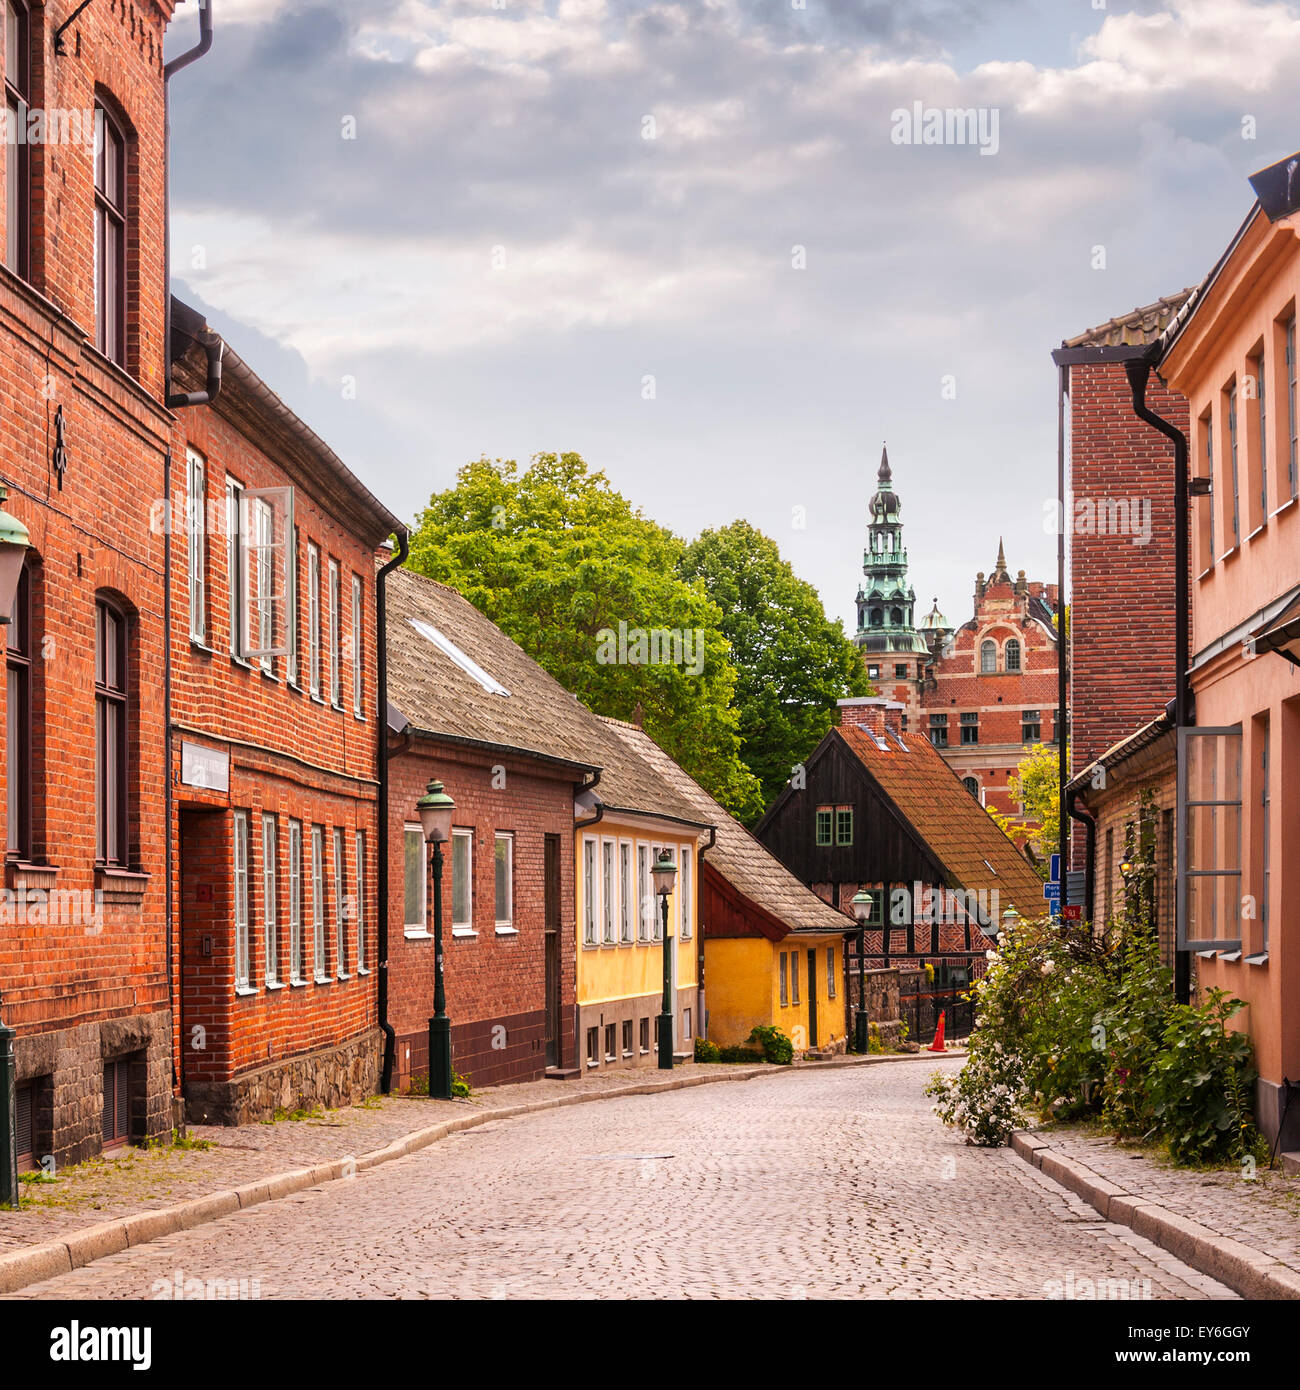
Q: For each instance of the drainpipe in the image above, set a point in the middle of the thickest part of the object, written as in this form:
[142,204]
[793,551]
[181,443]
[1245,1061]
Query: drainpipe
[1139,371]
[1062,645]
[1074,811]
[183,60]
[381,876]
[699,933]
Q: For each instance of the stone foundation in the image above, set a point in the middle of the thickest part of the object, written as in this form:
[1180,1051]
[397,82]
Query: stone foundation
[67,1068]
[330,1076]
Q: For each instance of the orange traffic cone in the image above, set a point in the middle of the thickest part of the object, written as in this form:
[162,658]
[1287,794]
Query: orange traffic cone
[937,1044]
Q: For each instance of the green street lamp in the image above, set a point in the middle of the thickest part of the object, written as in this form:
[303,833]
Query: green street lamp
[14,542]
[435,808]
[664,874]
[861,905]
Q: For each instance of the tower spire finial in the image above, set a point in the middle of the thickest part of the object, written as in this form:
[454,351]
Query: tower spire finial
[884,475]
[1001,567]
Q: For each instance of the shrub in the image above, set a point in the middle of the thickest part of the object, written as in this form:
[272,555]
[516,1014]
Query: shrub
[739,1054]
[777,1048]
[706,1051]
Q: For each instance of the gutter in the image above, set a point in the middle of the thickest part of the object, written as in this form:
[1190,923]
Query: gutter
[381,875]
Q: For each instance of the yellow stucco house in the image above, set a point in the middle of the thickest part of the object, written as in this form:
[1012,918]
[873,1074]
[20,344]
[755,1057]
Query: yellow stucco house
[772,951]
[621,826]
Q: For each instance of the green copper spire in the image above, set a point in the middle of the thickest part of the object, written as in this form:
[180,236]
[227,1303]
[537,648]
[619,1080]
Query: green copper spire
[886,601]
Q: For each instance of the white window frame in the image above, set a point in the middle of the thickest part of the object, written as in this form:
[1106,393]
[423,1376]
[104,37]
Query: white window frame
[294,634]
[590,891]
[335,634]
[341,903]
[626,891]
[505,925]
[830,972]
[243,942]
[359,841]
[263,539]
[358,649]
[418,929]
[464,835]
[196,535]
[296,960]
[270,902]
[313,619]
[784,967]
[645,921]
[319,956]
[234,566]
[608,891]
[685,874]
[657,912]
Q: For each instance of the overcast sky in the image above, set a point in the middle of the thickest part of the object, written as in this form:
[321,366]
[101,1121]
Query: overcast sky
[500,258]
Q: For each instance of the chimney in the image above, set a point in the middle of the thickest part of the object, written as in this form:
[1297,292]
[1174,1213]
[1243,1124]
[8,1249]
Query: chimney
[872,712]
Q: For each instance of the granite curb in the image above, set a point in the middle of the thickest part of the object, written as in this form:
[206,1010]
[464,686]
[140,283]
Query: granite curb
[52,1258]
[1245,1270]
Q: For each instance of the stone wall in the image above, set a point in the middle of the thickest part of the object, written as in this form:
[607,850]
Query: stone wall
[329,1077]
[67,1067]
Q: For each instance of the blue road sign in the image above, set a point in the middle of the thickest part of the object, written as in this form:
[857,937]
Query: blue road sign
[1052,892]
[1055,875]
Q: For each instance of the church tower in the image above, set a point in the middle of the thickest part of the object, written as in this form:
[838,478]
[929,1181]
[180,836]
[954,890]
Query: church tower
[895,653]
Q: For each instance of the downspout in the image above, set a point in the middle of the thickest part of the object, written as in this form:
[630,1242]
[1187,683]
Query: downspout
[1062,644]
[169,896]
[381,875]
[1089,823]
[700,852]
[577,1015]
[1139,372]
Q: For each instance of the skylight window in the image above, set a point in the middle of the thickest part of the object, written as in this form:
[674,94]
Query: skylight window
[467,664]
[898,739]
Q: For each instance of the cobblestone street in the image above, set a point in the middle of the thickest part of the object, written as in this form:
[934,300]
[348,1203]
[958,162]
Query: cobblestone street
[836,1184]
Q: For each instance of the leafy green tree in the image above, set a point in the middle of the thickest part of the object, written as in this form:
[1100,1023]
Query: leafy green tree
[793,662]
[558,559]
[1036,786]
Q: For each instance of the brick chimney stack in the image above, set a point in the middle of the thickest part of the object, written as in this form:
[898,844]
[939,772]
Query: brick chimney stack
[872,712]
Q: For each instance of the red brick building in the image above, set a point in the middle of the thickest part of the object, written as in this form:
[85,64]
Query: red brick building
[991,691]
[84,963]
[513,749]
[276,748]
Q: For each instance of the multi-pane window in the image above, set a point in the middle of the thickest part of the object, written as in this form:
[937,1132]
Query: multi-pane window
[939,730]
[318,962]
[645,898]
[1208,426]
[589,891]
[462,880]
[335,634]
[1031,725]
[1012,654]
[685,892]
[504,881]
[270,901]
[970,727]
[340,902]
[657,852]
[19,728]
[1232,453]
[196,543]
[794,977]
[295,901]
[358,650]
[972,785]
[18,177]
[110,237]
[361,902]
[415,916]
[313,619]
[111,712]
[263,541]
[830,972]
[1259,366]
[240,888]
[1293,426]
[900,671]
[988,657]
[844,825]
[626,892]
[608,892]
[234,565]
[825,825]
[292,661]
[1265,800]
[785,989]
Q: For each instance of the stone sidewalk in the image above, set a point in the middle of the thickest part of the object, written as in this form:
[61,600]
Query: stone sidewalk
[1243,1230]
[138,1194]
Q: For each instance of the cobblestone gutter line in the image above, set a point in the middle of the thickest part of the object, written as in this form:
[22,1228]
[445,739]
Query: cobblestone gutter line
[1245,1270]
[79,1248]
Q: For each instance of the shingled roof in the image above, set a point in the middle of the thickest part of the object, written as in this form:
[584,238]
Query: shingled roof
[1135,328]
[748,866]
[433,690]
[957,829]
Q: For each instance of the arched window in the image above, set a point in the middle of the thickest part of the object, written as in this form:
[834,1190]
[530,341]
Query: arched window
[111,740]
[18,178]
[110,236]
[1012,652]
[988,657]
[19,669]
[972,786]
[877,617]
[896,616]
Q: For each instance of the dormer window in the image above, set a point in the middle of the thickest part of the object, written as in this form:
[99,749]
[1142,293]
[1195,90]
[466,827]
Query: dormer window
[110,237]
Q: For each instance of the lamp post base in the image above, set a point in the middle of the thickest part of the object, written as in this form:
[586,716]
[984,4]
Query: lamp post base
[440,1057]
[665,1035]
[862,1033]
